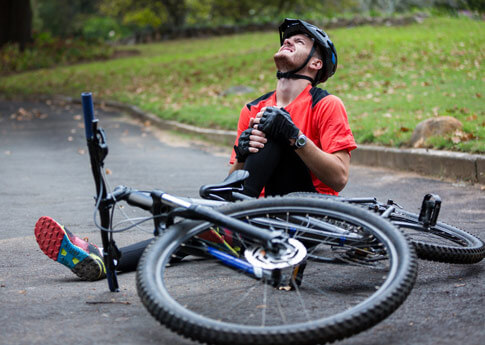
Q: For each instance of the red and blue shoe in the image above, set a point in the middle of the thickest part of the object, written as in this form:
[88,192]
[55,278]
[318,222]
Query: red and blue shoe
[58,243]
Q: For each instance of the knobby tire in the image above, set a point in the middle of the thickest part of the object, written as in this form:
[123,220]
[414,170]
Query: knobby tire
[441,242]
[346,288]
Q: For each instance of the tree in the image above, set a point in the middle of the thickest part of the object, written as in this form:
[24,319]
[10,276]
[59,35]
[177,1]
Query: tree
[147,12]
[64,18]
[15,22]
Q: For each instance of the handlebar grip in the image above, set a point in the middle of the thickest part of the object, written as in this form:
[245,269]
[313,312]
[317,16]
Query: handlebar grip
[88,109]
[140,200]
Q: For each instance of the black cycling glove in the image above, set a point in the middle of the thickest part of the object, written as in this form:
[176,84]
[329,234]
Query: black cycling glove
[242,148]
[277,123]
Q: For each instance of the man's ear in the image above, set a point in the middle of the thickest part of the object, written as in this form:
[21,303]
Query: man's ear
[316,63]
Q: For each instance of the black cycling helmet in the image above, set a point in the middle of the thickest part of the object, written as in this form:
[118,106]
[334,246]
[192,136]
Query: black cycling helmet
[291,27]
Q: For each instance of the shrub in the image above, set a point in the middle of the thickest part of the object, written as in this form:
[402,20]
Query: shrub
[47,51]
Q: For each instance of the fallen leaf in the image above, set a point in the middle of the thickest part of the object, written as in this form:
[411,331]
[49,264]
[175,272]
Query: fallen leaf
[121,319]
[108,172]
[378,132]
[455,140]
[77,117]
[460,136]
[81,151]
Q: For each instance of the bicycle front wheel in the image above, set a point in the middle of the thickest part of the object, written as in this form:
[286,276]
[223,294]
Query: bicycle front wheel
[360,268]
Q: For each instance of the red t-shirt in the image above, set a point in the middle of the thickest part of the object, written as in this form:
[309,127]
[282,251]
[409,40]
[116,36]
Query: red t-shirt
[319,115]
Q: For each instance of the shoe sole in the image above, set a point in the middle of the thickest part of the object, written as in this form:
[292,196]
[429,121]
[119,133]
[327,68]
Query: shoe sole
[54,242]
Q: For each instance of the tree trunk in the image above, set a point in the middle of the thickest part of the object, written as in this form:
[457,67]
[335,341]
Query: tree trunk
[15,22]
[176,10]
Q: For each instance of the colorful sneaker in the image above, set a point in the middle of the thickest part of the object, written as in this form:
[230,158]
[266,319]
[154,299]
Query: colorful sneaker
[58,243]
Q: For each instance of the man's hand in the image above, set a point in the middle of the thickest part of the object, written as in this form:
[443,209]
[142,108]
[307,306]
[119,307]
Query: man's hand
[242,148]
[277,123]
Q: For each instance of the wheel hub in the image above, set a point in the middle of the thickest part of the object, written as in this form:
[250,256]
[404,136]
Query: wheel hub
[293,253]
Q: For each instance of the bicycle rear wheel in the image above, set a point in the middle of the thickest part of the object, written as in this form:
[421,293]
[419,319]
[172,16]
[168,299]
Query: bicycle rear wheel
[440,242]
[360,268]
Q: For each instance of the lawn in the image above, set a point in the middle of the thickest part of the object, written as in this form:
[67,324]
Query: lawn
[389,78]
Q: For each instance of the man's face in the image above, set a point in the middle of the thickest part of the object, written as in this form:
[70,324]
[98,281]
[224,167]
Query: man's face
[293,52]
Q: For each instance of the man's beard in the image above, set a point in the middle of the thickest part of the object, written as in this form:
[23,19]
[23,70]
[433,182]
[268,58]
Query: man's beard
[286,63]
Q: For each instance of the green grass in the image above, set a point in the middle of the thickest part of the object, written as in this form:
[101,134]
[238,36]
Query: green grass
[390,79]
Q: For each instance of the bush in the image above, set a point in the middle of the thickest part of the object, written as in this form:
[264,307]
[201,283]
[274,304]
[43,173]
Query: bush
[47,51]
[103,28]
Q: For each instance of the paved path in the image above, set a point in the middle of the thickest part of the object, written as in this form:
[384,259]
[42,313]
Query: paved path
[44,170]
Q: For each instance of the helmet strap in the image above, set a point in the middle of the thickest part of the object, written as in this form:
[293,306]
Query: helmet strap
[293,74]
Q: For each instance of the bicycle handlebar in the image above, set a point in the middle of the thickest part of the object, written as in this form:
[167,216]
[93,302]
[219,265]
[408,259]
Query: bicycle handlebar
[140,200]
[88,110]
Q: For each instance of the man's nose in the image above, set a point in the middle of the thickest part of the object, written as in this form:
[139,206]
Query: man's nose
[287,41]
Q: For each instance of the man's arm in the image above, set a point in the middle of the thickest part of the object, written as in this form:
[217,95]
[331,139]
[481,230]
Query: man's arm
[330,168]
[236,166]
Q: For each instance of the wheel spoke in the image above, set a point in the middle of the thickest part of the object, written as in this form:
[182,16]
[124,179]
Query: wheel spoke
[348,254]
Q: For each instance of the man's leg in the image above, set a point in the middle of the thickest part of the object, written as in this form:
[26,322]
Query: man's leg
[130,255]
[261,166]
[290,175]
[278,168]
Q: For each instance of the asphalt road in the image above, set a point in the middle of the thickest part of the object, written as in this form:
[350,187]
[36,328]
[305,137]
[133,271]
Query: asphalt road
[44,170]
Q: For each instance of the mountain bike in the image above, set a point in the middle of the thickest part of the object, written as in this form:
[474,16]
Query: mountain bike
[270,271]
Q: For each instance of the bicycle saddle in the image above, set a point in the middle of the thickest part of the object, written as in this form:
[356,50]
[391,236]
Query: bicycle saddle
[224,190]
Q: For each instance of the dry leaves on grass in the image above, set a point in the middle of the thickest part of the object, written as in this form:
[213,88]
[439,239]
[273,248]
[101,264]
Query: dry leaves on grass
[379,131]
[460,136]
